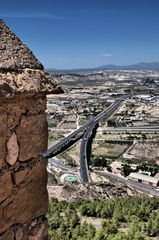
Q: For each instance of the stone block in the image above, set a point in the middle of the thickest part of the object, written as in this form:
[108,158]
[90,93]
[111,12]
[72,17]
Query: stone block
[5,185]
[8,235]
[12,150]
[40,232]
[3,130]
[19,234]
[32,136]
[30,200]
[20,176]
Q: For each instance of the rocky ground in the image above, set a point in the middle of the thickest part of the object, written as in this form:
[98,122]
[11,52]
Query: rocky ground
[73,192]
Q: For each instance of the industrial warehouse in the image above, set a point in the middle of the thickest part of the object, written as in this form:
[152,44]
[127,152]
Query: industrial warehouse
[143,178]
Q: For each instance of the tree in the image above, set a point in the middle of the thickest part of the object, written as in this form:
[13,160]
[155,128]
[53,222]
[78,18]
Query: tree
[119,236]
[100,235]
[126,170]
[138,236]
[134,232]
[109,227]
[91,231]
[139,214]
[155,225]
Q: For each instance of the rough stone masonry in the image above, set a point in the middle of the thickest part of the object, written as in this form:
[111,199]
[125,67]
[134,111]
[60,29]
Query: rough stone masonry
[23,136]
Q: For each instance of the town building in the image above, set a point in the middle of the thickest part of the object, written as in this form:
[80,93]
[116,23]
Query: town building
[142,178]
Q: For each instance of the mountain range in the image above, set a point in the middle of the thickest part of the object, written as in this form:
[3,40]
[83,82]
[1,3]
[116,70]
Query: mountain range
[138,66]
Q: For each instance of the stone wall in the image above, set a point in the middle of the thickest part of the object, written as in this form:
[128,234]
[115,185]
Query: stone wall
[23,136]
[23,175]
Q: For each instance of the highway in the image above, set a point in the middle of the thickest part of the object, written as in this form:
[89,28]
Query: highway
[77,134]
[135,185]
[133,129]
[66,141]
[55,163]
[88,135]
[84,171]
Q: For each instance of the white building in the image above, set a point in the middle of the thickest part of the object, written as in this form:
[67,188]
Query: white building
[142,178]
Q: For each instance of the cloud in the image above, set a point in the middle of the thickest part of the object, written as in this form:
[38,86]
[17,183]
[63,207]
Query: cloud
[106,55]
[36,14]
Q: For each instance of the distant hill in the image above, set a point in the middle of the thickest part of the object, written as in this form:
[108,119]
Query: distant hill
[138,66]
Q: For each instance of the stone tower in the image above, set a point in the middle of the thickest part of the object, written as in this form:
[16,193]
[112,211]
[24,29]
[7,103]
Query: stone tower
[23,136]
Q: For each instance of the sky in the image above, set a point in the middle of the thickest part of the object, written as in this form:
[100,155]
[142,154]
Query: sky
[67,34]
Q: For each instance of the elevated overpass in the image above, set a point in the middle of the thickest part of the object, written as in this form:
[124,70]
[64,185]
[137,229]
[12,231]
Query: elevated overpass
[78,134]
[89,134]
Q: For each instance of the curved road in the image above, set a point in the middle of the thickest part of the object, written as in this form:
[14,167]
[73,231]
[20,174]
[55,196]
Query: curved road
[83,154]
[88,135]
[74,137]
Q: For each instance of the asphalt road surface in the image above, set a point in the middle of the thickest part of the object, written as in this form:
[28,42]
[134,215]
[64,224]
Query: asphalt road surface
[88,134]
